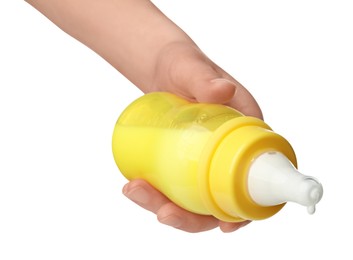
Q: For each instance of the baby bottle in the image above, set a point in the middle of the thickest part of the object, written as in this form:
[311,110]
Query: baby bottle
[210,159]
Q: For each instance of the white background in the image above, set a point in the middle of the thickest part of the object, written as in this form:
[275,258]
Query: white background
[60,191]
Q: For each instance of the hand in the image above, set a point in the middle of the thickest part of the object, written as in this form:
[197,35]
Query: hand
[164,59]
[184,70]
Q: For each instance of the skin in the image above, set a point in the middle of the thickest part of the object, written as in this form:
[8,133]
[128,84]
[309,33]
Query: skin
[137,39]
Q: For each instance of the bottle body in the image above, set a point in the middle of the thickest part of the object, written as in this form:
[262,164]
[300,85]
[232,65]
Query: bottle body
[198,155]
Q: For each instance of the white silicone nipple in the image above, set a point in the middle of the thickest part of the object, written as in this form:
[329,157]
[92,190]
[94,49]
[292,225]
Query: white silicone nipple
[274,180]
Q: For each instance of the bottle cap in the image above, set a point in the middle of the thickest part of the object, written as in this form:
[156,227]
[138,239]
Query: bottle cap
[224,169]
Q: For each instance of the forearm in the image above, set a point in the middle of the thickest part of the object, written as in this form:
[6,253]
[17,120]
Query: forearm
[129,34]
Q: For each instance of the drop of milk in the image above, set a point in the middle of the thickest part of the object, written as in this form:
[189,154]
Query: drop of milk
[315,196]
[311,209]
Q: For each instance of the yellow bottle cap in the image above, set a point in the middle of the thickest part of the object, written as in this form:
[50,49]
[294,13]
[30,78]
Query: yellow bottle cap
[223,173]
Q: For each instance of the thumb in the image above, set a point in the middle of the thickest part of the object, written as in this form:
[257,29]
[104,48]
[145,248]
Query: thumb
[228,92]
[188,72]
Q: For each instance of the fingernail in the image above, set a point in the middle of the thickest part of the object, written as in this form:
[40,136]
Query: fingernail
[221,80]
[172,220]
[137,194]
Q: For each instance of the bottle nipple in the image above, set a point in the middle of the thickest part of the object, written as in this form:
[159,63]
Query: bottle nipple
[274,180]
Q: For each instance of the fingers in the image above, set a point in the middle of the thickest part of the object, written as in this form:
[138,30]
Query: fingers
[172,215]
[145,195]
[227,227]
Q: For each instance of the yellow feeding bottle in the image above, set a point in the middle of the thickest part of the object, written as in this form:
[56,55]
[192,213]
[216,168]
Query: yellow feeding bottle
[210,159]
